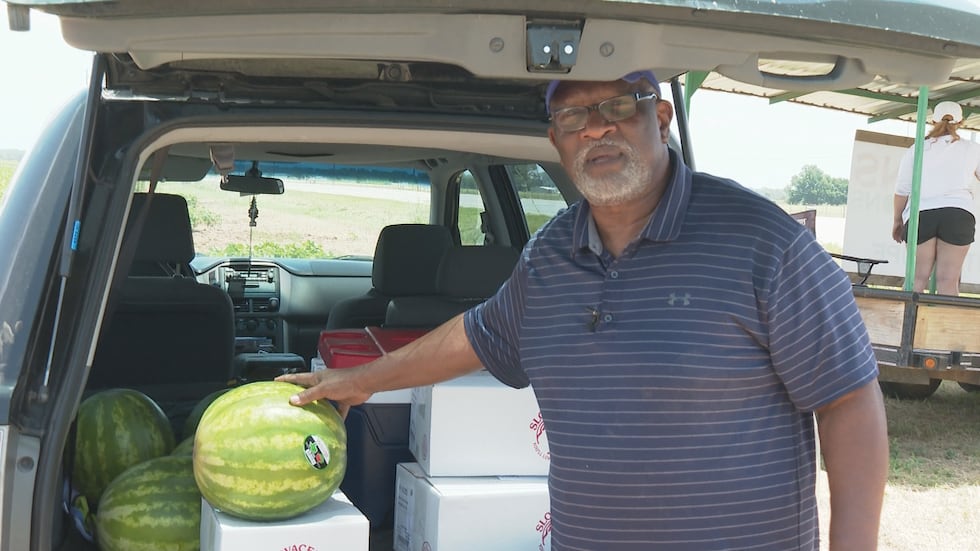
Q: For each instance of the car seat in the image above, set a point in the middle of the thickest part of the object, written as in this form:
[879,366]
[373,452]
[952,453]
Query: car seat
[406,263]
[168,334]
[468,275]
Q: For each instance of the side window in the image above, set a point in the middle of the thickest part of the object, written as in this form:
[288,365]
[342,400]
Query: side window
[540,197]
[469,220]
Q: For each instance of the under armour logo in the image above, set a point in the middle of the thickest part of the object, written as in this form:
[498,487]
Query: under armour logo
[683,300]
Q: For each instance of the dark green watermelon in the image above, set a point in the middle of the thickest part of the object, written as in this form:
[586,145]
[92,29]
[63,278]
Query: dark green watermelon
[194,417]
[152,506]
[116,429]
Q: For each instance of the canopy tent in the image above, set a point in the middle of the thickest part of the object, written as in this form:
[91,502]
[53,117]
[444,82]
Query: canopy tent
[879,100]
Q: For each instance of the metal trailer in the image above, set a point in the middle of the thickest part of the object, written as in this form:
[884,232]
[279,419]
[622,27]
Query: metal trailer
[922,339]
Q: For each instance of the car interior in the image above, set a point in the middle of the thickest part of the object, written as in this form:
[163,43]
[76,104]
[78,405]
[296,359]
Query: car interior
[199,310]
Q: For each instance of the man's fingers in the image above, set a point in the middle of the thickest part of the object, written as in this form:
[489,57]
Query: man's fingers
[305,396]
[306,379]
[320,385]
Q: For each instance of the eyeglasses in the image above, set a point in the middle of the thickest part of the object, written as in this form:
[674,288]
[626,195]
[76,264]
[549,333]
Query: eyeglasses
[573,119]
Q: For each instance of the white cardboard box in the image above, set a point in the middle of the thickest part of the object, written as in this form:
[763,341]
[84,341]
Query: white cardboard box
[335,524]
[475,425]
[491,513]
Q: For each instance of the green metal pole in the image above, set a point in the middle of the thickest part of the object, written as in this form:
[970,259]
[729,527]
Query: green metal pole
[692,81]
[913,236]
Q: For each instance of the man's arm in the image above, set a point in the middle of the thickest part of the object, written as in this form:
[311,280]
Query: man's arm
[854,442]
[442,354]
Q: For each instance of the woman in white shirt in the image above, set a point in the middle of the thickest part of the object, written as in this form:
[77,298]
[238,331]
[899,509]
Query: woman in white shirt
[950,171]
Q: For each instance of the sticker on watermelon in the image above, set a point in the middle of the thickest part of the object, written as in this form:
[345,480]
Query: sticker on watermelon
[317,452]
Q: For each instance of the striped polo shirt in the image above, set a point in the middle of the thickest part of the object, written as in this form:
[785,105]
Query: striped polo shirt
[677,382]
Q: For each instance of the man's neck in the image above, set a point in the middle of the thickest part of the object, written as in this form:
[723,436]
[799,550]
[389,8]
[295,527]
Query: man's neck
[618,225]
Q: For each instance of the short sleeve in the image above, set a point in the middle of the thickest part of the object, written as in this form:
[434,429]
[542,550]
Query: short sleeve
[819,344]
[903,182]
[493,328]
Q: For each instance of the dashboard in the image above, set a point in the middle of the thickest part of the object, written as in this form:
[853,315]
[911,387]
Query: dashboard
[281,305]
[255,290]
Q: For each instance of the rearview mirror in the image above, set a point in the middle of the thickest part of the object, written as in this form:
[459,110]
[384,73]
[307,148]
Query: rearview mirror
[253,185]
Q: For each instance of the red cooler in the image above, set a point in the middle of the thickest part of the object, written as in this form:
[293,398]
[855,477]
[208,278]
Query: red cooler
[389,340]
[342,348]
[347,348]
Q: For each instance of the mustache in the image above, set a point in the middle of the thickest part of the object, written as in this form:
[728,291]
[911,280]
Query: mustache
[602,142]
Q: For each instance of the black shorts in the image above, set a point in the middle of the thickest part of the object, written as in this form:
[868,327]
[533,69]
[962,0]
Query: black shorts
[950,224]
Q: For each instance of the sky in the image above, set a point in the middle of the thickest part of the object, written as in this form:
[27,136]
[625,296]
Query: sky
[732,137]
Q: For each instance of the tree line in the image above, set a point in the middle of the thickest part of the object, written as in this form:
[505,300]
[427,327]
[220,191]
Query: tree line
[812,186]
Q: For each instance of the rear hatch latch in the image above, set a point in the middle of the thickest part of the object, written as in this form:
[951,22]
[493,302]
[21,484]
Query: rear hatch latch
[552,46]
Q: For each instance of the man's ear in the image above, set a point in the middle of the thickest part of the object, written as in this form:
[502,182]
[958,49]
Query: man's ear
[551,136]
[665,114]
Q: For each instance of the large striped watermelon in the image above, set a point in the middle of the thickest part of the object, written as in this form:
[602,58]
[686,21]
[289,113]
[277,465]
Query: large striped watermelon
[116,429]
[257,457]
[153,506]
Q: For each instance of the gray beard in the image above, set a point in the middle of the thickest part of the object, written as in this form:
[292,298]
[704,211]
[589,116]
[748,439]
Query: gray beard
[614,189]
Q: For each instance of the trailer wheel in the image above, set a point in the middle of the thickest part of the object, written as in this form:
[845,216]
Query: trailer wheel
[908,391]
[970,387]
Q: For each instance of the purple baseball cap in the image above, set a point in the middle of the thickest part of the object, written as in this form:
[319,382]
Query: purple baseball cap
[631,78]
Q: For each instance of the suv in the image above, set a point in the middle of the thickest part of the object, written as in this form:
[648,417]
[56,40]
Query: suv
[258,152]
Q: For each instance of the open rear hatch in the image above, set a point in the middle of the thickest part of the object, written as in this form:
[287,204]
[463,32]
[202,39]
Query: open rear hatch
[868,58]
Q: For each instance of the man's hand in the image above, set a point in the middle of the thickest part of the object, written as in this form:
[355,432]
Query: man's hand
[336,385]
[441,354]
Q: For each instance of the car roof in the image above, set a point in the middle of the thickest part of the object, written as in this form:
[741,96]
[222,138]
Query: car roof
[466,56]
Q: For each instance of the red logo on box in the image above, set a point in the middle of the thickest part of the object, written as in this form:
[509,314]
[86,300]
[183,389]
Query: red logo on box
[299,547]
[537,425]
[544,528]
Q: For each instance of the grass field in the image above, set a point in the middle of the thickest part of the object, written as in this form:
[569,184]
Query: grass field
[932,501]
[935,443]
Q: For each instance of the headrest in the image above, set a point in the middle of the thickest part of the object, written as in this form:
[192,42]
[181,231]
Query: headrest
[406,259]
[475,271]
[166,234]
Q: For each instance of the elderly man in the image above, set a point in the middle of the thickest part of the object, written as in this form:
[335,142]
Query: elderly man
[679,332]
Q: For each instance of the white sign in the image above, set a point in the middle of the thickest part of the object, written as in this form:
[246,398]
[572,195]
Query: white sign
[870,200]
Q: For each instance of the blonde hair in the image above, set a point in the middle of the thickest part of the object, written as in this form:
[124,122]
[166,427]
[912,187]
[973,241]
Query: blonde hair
[944,127]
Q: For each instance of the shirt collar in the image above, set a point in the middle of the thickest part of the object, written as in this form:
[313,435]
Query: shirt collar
[665,223]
